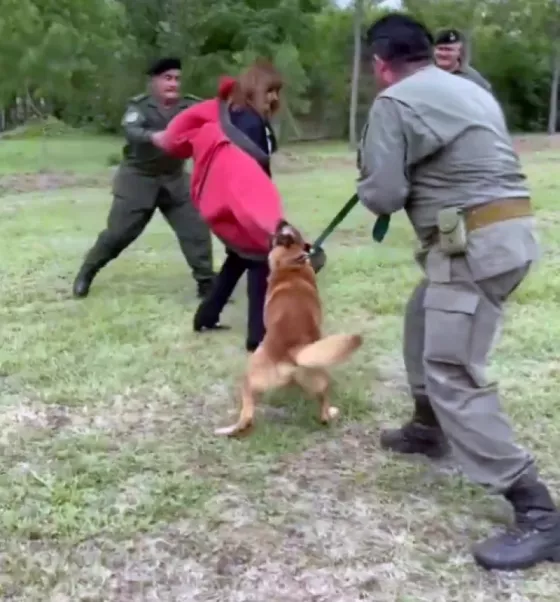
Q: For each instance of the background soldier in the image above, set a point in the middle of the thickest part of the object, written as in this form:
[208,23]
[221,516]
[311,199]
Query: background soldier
[438,146]
[148,179]
[450,56]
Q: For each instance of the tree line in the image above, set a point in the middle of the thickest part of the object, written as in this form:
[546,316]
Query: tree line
[80,60]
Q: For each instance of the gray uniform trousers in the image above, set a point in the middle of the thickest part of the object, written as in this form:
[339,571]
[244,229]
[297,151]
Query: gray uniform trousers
[450,329]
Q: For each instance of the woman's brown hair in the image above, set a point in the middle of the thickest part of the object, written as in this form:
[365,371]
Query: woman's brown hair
[252,86]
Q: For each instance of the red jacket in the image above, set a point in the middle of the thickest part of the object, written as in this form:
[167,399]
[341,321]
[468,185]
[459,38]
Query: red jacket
[240,203]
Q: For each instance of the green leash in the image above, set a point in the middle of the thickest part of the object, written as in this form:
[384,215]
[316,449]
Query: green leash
[379,229]
[349,205]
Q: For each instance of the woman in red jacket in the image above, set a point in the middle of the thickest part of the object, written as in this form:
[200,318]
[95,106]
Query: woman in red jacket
[231,141]
[254,99]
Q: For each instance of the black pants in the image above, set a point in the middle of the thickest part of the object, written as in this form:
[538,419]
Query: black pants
[234,266]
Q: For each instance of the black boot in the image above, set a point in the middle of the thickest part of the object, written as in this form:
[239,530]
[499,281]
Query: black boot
[536,537]
[207,318]
[83,280]
[421,435]
[204,287]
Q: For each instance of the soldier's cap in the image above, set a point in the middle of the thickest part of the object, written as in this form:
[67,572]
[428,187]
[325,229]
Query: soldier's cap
[162,65]
[399,37]
[448,36]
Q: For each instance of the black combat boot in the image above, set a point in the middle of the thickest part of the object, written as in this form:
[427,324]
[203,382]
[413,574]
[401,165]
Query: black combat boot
[536,537]
[204,287]
[421,435]
[83,280]
[207,316]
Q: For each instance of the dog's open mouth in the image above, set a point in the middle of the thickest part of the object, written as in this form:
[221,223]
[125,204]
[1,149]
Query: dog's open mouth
[286,236]
[301,253]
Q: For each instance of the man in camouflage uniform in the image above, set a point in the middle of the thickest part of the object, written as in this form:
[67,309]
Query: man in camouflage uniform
[449,55]
[449,162]
[148,179]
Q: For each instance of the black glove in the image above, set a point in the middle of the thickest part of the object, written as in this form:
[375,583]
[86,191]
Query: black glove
[317,256]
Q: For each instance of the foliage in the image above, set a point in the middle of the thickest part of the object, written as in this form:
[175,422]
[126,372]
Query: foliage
[510,43]
[84,58]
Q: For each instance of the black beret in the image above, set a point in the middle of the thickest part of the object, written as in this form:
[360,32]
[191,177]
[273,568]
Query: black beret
[162,65]
[399,37]
[448,36]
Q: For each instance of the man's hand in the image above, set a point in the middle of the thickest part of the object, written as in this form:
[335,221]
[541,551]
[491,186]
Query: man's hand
[158,139]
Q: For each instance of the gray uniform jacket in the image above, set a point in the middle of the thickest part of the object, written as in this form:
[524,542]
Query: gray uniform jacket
[434,140]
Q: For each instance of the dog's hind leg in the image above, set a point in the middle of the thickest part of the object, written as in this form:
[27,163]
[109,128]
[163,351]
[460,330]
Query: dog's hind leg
[315,381]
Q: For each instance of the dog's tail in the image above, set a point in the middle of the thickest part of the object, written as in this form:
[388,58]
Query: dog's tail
[328,351]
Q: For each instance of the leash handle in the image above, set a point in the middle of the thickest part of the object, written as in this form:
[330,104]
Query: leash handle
[381,227]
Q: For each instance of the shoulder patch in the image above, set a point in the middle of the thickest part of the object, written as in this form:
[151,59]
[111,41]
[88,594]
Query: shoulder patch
[131,116]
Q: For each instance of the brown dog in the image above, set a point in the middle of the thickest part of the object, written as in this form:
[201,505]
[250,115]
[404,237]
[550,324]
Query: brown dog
[293,349]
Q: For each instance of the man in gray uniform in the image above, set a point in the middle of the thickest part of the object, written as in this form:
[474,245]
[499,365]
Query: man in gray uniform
[450,56]
[437,146]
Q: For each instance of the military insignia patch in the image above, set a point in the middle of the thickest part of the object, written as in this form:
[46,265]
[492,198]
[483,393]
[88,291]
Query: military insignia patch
[131,117]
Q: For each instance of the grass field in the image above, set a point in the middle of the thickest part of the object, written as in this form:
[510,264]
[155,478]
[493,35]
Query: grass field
[112,485]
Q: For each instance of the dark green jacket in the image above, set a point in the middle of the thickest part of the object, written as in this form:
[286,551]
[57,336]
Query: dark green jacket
[142,118]
[145,170]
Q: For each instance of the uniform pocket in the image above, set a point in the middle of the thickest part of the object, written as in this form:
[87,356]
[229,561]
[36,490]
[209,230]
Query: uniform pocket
[461,328]
[450,320]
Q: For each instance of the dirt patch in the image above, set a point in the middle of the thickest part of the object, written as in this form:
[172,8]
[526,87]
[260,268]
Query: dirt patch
[135,412]
[56,180]
[286,162]
[50,180]
[536,142]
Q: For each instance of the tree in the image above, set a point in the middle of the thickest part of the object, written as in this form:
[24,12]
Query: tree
[554,33]
[358,20]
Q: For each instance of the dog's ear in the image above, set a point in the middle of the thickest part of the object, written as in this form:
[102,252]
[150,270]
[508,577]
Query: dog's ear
[285,235]
[282,223]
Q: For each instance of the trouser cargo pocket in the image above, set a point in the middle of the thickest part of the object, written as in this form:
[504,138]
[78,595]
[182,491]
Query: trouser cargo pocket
[460,328]
[449,323]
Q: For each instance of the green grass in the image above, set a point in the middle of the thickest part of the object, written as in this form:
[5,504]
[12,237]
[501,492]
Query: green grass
[112,485]
[83,153]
